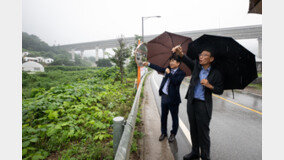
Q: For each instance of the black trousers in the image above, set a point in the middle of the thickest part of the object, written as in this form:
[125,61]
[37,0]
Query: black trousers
[199,128]
[173,108]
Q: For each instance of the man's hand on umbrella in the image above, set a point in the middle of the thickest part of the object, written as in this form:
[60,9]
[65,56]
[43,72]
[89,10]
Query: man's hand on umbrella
[205,83]
[168,71]
[178,50]
[145,63]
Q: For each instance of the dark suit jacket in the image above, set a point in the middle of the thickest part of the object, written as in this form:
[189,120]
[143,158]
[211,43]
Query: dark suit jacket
[174,84]
[215,78]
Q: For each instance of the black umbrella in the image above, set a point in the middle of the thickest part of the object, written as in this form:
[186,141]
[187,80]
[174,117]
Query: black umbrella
[236,63]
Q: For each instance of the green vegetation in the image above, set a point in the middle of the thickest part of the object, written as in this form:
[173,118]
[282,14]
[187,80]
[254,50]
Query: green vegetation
[72,119]
[67,110]
[55,75]
[34,43]
[68,68]
[121,54]
[256,86]
[104,63]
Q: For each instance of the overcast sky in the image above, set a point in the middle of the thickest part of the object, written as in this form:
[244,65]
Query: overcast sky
[74,21]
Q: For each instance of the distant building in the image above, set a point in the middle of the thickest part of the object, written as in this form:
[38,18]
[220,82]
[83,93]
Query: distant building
[48,60]
[25,54]
[26,59]
[31,66]
[39,59]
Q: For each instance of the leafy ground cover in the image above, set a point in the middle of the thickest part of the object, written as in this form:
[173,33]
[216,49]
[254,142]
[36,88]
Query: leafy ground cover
[72,119]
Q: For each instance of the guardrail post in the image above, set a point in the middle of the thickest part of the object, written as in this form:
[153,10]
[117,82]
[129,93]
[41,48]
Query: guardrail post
[118,127]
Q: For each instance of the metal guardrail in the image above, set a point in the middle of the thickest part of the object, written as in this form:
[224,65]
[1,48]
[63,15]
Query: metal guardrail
[123,150]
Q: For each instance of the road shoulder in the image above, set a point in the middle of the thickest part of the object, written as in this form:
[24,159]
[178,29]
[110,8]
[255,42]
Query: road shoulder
[153,149]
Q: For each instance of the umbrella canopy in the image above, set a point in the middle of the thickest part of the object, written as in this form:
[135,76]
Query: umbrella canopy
[160,49]
[255,6]
[236,63]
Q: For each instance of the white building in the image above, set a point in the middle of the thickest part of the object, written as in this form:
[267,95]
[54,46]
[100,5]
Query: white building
[25,54]
[31,59]
[40,59]
[48,60]
[31,66]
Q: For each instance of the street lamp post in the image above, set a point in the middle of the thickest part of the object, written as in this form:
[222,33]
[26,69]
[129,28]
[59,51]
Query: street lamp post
[144,18]
[139,42]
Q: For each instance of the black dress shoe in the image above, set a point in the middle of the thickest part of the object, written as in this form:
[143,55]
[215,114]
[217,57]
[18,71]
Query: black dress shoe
[191,156]
[171,138]
[162,137]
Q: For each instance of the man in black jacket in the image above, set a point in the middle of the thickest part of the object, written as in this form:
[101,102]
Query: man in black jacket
[205,79]
[169,91]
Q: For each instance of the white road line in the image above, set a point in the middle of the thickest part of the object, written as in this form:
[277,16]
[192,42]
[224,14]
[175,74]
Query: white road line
[185,131]
[181,124]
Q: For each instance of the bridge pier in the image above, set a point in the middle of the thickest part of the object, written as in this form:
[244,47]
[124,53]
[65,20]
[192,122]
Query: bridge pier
[97,54]
[259,47]
[81,53]
[72,52]
[104,50]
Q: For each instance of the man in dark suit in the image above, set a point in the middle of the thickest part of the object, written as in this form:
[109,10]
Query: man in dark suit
[169,91]
[205,80]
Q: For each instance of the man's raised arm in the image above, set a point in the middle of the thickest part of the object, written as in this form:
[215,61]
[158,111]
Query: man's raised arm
[185,59]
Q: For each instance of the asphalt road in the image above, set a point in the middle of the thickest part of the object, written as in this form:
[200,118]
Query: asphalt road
[235,127]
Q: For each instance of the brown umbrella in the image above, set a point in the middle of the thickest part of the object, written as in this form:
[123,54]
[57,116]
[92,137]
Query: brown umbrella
[160,49]
[255,6]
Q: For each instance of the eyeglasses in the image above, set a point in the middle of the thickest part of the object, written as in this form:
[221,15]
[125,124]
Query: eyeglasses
[204,55]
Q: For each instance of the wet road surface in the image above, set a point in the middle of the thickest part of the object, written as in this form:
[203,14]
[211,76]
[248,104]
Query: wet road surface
[235,127]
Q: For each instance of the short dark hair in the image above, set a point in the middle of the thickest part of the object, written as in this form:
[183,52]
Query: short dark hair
[209,49]
[175,57]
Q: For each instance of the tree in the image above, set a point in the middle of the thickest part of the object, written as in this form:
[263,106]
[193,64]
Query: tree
[104,63]
[92,59]
[121,54]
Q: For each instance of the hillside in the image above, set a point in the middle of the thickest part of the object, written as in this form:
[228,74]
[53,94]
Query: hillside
[38,48]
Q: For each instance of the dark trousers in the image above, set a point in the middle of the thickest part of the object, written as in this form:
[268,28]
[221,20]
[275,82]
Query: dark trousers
[199,128]
[173,108]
